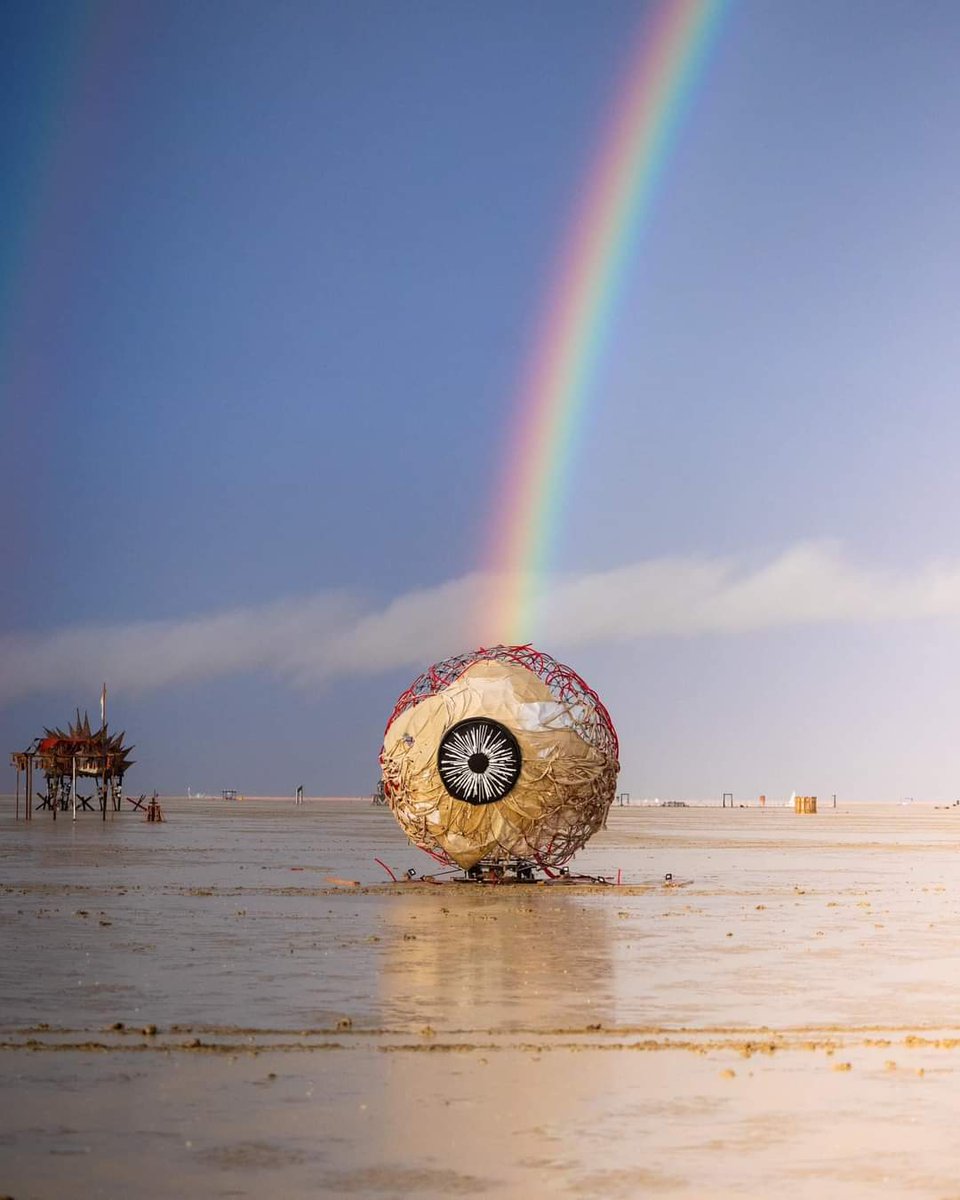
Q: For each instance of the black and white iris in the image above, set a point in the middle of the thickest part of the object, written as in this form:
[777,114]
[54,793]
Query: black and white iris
[479,760]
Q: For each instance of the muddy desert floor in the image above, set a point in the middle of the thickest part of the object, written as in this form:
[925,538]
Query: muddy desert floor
[196,1009]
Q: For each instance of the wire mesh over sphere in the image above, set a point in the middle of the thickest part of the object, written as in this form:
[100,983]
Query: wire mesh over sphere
[498,755]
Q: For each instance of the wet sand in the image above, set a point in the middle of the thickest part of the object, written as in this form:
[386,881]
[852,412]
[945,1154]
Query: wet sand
[193,1008]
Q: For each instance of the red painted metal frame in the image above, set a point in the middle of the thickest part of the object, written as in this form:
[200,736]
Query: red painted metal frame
[565,684]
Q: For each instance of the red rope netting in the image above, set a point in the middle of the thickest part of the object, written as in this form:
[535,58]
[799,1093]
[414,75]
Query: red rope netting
[565,684]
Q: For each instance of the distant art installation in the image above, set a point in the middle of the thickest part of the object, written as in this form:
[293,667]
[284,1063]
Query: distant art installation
[68,756]
[502,755]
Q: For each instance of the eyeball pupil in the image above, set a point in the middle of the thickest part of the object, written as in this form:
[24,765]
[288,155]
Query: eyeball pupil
[479,760]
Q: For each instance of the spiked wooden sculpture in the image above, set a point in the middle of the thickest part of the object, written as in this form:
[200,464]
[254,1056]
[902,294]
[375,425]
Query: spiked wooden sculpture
[63,755]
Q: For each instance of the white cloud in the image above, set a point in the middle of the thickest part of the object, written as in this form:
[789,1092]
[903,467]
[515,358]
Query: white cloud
[321,637]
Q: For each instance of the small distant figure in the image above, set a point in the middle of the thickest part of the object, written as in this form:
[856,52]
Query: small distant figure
[154,811]
[763,802]
[300,794]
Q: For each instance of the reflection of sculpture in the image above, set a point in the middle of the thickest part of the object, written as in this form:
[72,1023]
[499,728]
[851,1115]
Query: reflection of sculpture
[500,755]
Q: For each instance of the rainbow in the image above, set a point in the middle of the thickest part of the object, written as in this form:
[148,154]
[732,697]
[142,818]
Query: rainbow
[673,42]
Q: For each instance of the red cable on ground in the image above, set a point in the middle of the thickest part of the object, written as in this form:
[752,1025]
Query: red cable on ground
[386,868]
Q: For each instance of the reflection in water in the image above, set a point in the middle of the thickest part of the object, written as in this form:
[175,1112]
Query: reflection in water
[479,962]
[498,959]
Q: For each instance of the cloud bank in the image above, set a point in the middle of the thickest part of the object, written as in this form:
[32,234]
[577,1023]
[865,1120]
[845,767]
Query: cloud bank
[318,638]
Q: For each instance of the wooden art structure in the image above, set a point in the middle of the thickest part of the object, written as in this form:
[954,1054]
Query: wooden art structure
[64,757]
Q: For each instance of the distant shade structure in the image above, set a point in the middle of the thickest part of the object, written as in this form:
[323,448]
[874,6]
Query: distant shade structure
[498,755]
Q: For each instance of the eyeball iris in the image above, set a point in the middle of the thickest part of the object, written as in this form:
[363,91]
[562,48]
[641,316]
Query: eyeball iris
[479,760]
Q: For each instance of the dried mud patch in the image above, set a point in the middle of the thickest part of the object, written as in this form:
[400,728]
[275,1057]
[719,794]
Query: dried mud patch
[253,1156]
[400,1181]
[627,1182]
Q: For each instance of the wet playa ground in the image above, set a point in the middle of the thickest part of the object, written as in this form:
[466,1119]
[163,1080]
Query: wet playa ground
[195,1008]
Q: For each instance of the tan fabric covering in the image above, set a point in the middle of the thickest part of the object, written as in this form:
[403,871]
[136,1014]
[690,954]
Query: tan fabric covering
[560,800]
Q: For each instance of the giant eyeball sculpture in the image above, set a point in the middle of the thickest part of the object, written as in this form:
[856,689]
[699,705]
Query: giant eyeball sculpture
[500,755]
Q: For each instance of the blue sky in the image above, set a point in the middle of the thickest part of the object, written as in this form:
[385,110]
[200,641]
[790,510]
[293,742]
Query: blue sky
[267,280]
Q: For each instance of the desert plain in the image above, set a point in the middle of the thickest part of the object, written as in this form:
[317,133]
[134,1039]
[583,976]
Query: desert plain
[240,1002]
